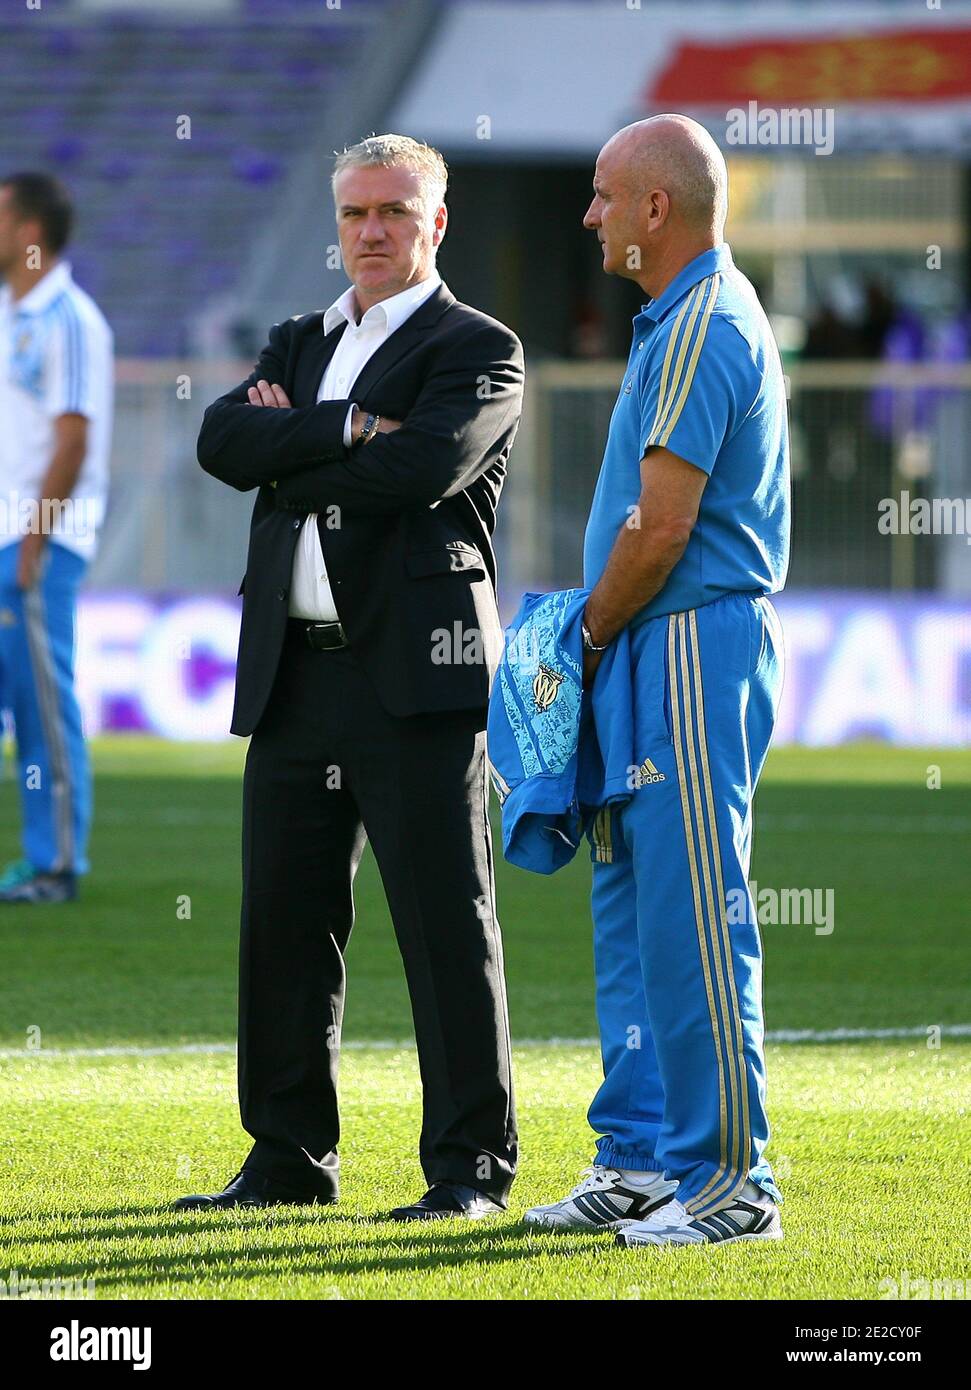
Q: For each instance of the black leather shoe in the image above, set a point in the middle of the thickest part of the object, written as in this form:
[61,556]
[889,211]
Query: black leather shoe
[448,1199]
[249,1189]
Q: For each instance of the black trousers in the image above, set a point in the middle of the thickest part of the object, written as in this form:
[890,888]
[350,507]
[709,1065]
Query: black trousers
[327,768]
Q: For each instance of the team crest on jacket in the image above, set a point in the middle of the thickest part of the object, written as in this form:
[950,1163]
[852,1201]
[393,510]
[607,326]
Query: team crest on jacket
[546,685]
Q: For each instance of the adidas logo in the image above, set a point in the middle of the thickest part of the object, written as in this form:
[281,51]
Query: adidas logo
[647,773]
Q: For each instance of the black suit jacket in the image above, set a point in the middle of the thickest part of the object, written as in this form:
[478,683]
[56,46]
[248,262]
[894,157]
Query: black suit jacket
[405,522]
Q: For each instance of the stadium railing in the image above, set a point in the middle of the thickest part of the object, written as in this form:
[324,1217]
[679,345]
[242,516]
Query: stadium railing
[862,433]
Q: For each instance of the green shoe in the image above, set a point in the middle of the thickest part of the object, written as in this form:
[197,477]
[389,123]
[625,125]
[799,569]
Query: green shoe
[39,887]
[21,871]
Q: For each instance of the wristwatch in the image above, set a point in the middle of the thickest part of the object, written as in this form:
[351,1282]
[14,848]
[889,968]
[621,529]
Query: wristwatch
[369,429]
[588,641]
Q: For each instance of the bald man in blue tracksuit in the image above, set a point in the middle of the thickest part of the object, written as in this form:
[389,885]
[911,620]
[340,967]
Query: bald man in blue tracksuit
[687,536]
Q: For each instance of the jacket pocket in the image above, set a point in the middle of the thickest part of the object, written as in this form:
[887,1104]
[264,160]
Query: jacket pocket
[653,721]
[666,695]
[456,557]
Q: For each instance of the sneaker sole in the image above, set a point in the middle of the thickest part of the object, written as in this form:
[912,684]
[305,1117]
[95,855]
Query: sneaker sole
[38,902]
[616,1225]
[574,1226]
[667,1244]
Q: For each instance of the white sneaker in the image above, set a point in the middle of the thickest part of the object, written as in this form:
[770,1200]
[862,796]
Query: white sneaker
[604,1198]
[752,1215]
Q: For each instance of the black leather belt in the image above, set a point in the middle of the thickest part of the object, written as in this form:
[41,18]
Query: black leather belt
[322,637]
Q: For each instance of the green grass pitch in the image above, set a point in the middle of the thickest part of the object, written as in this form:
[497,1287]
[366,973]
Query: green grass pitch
[870,1136]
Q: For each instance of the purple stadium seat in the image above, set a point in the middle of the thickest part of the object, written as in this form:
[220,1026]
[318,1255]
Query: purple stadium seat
[96,102]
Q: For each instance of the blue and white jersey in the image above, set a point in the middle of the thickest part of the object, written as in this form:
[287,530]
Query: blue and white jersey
[55,359]
[557,754]
[704,379]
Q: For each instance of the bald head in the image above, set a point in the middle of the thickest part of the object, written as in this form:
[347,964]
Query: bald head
[660,199]
[678,155]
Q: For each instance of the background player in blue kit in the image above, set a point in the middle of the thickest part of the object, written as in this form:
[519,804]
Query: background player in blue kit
[688,534]
[56,389]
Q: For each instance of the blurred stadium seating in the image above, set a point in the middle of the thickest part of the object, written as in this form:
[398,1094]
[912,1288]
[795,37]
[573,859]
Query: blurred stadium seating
[97,102]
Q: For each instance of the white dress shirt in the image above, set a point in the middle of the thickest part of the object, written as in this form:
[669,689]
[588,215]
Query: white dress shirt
[310,591]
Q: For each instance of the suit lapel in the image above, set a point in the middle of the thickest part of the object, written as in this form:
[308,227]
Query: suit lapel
[403,340]
[312,361]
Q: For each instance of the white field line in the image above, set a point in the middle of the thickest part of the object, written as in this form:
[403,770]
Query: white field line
[785,823]
[782,1035]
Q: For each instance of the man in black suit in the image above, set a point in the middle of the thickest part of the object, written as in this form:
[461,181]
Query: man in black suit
[377,434]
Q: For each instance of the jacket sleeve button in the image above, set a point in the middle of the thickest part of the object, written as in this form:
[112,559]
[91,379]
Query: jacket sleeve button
[281,594]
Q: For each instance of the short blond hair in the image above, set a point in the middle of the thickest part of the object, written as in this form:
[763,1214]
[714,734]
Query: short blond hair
[389,150]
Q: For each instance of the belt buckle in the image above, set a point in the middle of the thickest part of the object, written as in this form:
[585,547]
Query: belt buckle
[323,628]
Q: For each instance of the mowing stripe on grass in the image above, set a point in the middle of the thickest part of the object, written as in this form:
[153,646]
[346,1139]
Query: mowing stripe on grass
[781,1035]
[797,822]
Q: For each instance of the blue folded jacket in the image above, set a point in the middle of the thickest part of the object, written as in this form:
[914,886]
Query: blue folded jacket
[559,755]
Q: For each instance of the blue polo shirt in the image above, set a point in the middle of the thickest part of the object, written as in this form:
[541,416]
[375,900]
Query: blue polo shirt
[704,379]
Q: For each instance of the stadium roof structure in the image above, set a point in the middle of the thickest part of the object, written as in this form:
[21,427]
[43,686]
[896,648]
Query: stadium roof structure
[556,79]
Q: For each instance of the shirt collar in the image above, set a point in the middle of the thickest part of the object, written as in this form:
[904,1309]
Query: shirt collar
[716,258]
[389,314]
[46,290]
